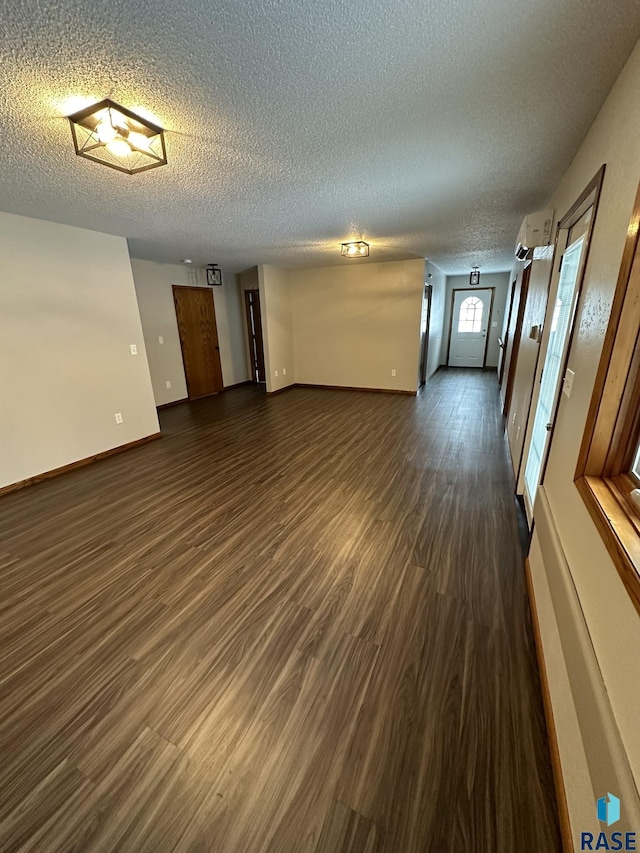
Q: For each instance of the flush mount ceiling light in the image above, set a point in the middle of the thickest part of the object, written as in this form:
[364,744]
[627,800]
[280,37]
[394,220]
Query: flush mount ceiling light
[356,249]
[116,137]
[474,276]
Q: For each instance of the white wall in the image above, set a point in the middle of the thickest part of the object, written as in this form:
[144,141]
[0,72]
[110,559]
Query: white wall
[230,324]
[277,326]
[498,280]
[153,283]
[68,314]
[354,324]
[613,623]
[438,282]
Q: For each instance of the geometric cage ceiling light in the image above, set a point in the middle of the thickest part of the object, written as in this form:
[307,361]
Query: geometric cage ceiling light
[116,137]
[355,249]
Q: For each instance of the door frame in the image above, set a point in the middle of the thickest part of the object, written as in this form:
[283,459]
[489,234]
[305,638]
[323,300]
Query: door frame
[259,339]
[424,356]
[505,341]
[486,340]
[517,335]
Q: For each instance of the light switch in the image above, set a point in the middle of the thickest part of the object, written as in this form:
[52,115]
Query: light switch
[160,339]
[567,382]
[134,349]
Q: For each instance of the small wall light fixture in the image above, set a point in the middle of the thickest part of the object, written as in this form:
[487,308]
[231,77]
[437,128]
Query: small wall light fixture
[355,249]
[116,137]
[474,277]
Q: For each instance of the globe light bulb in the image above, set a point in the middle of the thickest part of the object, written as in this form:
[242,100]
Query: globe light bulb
[106,131]
[119,147]
[138,140]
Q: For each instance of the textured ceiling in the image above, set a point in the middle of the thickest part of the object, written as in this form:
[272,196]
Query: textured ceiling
[427,128]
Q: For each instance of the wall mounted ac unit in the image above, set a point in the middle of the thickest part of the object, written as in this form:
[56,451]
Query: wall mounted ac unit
[536,230]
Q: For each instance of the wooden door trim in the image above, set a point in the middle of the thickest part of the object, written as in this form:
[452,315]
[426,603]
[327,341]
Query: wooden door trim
[259,339]
[506,332]
[250,340]
[517,334]
[486,340]
[424,359]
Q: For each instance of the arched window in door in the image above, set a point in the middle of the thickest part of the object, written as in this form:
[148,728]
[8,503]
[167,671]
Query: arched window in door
[470,317]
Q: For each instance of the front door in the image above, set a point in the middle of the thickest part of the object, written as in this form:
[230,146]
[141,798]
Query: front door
[196,318]
[470,323]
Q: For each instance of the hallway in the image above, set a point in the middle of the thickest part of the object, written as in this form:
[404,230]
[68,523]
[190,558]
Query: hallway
[295,623]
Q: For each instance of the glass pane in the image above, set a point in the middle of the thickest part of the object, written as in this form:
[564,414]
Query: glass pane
[470,316]
[636,463]
[560,325]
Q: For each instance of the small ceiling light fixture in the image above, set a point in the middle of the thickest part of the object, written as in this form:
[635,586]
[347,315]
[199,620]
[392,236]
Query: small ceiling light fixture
[355,249]
[186,261]
[116,137]
[474,277]
[214,275]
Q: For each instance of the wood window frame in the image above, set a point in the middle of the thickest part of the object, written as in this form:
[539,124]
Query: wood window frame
[603,473]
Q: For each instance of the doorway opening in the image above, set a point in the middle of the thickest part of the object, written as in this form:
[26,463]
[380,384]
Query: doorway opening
[254,332]
[503,342]
[425,324]
[514,332]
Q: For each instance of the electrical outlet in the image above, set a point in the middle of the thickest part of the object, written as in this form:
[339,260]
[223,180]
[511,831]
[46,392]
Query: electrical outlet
[168,384]
[284,371]
[160,339]
[393,372]
[276,373]
[118,417]
[134,349]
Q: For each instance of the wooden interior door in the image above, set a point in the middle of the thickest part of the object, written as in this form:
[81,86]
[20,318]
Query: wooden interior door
[254,331]
[196,318]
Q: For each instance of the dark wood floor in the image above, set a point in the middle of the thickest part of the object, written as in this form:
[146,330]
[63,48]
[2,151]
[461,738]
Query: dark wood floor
[294,624]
